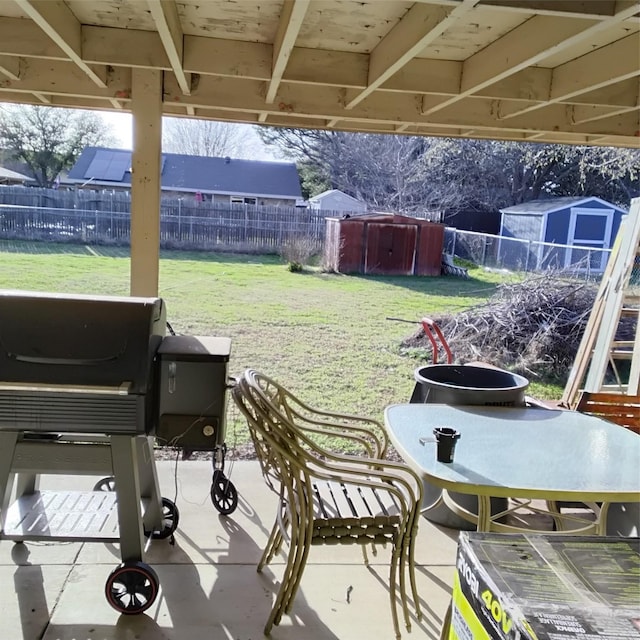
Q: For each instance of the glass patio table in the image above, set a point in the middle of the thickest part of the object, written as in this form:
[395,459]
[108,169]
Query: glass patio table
[524,454]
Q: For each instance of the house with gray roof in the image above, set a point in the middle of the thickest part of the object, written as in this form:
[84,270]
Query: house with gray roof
[14,171]
[7,176]
[218,180]
[336,200]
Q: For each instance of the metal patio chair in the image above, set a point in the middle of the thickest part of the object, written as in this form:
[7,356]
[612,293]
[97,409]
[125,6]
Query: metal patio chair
[326,497]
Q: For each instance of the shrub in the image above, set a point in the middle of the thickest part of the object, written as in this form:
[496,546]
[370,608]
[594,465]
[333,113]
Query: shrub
[298,251]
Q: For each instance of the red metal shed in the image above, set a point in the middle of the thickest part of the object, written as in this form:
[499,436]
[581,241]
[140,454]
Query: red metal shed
[384,244]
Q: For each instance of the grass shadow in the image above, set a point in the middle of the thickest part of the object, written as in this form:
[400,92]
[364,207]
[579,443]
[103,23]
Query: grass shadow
[61,248]
[445,286]
[37,247]
[220,257]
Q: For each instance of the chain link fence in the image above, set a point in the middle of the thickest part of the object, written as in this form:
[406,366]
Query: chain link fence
[514,254]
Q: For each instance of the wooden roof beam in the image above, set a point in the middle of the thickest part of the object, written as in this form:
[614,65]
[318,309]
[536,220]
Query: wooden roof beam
[622,94]
[67,102]
[594,9]
[10,67]
[576,113]
[420,26]
[591,72]
[598,139]
[347,122]
[66,79]
[124,47]
[19,37]
[250,60]
[580,115]
[528,44]
[293,13]
[60,25]
[165,15]
[327,103]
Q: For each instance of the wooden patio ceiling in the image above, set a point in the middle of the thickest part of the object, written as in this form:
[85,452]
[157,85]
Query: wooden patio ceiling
[541,70]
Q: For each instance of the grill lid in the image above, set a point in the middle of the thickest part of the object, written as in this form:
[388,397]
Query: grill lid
[78,340]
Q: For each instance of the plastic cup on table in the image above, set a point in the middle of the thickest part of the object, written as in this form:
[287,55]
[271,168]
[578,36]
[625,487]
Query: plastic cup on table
[446,437]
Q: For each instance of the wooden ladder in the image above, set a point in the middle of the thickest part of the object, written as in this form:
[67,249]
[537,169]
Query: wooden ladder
[618,297]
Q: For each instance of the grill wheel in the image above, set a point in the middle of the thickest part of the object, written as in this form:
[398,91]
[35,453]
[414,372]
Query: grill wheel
[223,493]
[132,587]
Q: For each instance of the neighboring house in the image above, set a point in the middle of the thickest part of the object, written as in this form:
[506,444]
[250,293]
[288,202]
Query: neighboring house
[336,200]
[9,163]
[7,176]
[584,221]
[220,180]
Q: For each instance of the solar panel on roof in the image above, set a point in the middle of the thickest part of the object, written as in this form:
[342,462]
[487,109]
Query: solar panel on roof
[109,165]
[97,167]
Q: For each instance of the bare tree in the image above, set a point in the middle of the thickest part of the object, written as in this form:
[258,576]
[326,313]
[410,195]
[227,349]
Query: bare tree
[205,137]
[488,174]
[408,173]
[49,139]
[382,170]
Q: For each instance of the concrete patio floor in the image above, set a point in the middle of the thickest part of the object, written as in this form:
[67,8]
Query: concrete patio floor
[209,585]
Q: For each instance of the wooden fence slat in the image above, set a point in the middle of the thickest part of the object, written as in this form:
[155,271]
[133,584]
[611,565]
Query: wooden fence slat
[80,215]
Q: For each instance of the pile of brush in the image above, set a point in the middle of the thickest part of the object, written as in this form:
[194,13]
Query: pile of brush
[533,327]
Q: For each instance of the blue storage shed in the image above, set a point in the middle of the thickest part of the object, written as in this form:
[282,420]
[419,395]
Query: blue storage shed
[585,226]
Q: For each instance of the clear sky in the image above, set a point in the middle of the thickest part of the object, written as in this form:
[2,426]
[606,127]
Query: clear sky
[121,125]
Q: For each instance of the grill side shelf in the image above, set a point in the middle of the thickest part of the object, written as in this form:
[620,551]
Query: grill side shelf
[63,515]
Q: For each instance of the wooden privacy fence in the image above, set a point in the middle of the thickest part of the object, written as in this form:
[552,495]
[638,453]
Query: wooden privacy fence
[102,217]
[247,227]
[264,229]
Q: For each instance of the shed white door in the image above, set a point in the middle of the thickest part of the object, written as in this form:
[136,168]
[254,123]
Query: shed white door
[589,228]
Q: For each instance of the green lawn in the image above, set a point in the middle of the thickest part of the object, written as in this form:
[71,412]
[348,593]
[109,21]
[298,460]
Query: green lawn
[324,335]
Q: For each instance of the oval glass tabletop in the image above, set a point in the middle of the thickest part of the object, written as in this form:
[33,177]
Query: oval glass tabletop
[511,452]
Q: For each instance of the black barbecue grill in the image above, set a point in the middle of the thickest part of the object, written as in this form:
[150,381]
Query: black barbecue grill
[85,382]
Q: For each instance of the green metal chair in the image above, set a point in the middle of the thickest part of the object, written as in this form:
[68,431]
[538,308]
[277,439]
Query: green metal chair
[327,497]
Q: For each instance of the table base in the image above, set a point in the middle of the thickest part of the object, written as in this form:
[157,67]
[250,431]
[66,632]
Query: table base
[521,515]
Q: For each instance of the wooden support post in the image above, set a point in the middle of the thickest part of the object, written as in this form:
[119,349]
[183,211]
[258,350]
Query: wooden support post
[146,107]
